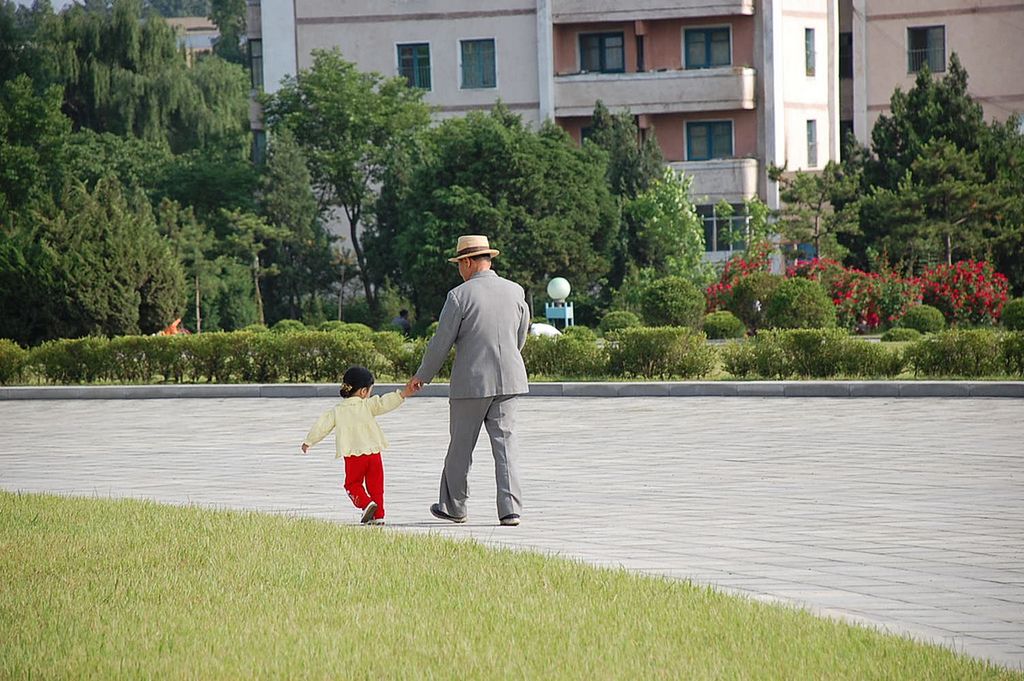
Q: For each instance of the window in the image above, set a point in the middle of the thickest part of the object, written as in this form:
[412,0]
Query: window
[478,64]
[809,51]
[602,52]
[846,55]
[707,48]
[708,140]
[812,144]
[722,233]
[256,63]
[414,64]
[926,46]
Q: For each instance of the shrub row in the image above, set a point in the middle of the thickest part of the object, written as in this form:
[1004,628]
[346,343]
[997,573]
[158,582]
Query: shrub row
[810,353]
[658,352]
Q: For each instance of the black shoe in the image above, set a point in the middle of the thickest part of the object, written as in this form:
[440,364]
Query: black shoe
[368,512]
[511,520]
[435,510]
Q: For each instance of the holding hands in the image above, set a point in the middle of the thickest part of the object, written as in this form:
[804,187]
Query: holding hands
[412,387]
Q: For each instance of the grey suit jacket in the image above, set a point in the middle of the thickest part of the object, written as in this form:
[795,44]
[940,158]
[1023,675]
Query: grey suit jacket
[486,319]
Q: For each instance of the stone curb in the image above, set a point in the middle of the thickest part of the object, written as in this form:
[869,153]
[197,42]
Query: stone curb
[834,389]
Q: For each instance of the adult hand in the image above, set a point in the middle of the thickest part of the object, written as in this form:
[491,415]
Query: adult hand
[412,386]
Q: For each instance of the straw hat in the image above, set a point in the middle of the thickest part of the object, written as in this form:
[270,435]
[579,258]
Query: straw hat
[471,245]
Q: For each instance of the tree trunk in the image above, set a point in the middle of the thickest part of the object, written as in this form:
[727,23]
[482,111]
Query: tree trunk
[199,316]
[364,276]
[949,249]
[256,285]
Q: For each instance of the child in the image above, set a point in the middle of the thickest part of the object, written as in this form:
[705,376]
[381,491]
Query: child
[359,439]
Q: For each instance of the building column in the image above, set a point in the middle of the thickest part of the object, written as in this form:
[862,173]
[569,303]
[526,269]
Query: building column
[834,142]
[860,72]
[773,79]
[545,61]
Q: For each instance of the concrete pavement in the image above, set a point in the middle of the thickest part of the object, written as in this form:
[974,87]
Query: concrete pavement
[904,514]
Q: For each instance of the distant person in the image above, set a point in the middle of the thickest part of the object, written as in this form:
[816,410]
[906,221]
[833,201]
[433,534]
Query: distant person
[402,322]
[486,319]
[359,439]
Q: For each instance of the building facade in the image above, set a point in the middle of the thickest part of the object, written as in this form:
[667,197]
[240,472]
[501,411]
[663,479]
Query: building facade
[884,43]
[726,87]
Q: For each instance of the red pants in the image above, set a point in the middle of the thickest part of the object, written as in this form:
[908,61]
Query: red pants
[369,470]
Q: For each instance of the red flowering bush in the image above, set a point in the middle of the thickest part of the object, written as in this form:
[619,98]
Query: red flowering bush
[757,259]
[967,292]
[864,301]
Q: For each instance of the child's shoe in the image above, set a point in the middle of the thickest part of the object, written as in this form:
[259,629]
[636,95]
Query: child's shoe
[376,521]
[369,512]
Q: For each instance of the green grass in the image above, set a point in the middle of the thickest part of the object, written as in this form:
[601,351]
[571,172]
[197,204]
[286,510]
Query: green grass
[102,589]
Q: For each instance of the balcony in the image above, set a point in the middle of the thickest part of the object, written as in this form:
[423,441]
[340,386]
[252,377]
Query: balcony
[584,11]
[657,92]
[732,179]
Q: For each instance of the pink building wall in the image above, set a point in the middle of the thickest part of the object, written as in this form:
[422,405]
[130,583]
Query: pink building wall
[663,44]
[670,130]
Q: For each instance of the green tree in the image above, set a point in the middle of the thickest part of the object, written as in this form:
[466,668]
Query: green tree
[818,207]
[195,248]
[942,207]
[669,235]
[229,16]
[934,108]
[249,238]
[541,199]
[113,271]
[124,73]
[303,257]
[634,163]
[33,136]
[351,126]
[179,8]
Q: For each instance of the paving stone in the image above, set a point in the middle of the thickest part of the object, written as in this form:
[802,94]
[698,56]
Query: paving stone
[902,514]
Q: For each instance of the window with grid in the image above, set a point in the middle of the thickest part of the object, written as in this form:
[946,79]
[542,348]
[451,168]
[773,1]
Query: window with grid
[926,46]
[707,48]
[256,63]
[414,64]
[603,52]
[812,144]
[478,64]
[707,140]
[809,51]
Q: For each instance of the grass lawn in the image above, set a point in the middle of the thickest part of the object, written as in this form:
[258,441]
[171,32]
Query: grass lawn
[113,589]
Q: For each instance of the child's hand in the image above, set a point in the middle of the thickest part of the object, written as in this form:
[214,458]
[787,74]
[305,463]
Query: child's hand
[305,448]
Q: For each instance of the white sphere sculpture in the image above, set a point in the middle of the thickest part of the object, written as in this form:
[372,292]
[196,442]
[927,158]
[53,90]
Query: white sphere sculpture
[558,289]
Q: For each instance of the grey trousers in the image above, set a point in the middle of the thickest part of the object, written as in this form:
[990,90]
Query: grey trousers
[498,415]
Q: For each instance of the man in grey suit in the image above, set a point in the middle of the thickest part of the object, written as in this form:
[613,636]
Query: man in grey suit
[486,319]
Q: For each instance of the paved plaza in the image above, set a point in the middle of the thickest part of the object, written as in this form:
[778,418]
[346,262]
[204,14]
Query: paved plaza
[904,514]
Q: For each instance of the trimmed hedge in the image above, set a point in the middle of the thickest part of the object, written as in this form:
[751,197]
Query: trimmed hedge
[899,334]
[660,352]
[810,353]
[564,357]
[923,318]
[619,319]
[673,301]
[1013,315]
[580,333]
[959,353]
[12,359]
[749,297]
[799,303]
[723,324]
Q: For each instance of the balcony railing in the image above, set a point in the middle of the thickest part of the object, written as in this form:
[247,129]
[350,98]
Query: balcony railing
[933,57]
[732,179]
